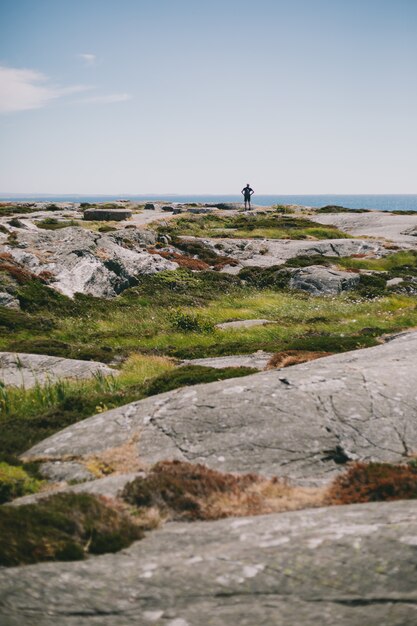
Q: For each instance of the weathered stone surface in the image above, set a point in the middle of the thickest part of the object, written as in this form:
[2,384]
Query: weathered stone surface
[65,470]
[8,301]
[109,486]
[319,280]
[267,252]
[243,324]
[346,565]
[107,215]
[87,262]
[303,422]
[397,228]
[258,360]
[26,369]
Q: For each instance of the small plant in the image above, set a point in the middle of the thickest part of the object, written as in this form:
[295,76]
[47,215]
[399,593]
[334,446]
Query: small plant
[190,322]
[16,482]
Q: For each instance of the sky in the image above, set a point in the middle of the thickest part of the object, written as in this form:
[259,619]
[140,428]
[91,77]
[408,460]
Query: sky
[190,97]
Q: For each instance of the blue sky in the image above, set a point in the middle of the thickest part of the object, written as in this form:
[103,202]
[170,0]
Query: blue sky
[181,96]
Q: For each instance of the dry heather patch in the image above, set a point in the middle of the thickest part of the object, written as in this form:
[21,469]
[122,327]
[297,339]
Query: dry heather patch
[184,491]
[293,357]
[374,482]
[118,460]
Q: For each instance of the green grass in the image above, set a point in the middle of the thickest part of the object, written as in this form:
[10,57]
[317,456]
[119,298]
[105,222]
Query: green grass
[16,481]
[64,527]
[51,223]
[270,225]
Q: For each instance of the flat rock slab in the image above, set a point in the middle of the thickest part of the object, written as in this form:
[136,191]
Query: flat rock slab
[346,565]
[303,422]
[258,360]
[373,224]
[243,324]
[268,252]
[26,370]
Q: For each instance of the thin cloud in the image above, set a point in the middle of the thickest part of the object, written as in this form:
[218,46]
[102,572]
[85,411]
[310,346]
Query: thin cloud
[114,97]
[88,58]
[22,89]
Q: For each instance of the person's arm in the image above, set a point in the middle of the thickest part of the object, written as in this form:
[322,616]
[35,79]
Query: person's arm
[243,190]
[252,192]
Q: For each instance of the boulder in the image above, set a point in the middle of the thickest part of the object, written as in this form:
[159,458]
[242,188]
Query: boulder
[107,215]
[81,261]
[304,422]
[26,370]
[346,565]
[318,280]
[8,301]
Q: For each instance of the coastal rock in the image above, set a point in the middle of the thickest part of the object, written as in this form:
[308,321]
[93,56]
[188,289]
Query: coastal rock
[400,229]
[81,261]
[268,252]
[303,422]
[258,360]
[319,281]
[242,324]
[346,565]
[107,215]
[8,301]
[28,369]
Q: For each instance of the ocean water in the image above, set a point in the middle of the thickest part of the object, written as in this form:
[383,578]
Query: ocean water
[406,202]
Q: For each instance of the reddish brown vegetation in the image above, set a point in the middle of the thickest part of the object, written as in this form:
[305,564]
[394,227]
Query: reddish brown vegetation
[292,357]
[183,491]
[216,263]
[374,482]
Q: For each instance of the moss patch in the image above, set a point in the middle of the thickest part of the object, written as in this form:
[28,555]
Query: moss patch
[15,481]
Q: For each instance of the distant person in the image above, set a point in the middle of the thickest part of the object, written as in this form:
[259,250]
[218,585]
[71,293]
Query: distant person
[247,193]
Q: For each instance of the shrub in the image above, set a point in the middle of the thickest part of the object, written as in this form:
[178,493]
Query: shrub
[64,527]
[189,322]
[374,482]
[193,375]
[15,482]
[370,286]
[266,277]
[183,491]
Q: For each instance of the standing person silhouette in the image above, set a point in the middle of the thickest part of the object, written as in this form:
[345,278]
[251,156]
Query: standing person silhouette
[247,193]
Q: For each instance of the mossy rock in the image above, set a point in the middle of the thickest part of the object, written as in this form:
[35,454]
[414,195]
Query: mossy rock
[64,527]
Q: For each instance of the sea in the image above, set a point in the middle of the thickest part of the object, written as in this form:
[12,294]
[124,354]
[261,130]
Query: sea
[397,202]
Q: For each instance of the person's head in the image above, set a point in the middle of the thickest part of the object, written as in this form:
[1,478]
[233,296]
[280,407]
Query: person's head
[247,185]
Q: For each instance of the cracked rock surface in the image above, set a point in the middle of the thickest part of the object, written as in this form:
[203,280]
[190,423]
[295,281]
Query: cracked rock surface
[26,370]
[345,565]
[303,422]
[373,224]
[81,261]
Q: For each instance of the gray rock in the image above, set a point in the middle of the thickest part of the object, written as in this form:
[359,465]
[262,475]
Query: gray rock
[258,360]
[318,280]
[9,301]
[304,422]
[81,261]
[107,215]
[396,228]
[268,252]
[243,324]
[109,486]
[394,281]
[346,565]
[149,206]
[26,370]
[65,470]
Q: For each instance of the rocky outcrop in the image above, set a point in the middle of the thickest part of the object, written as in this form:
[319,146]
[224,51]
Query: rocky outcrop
[81,261]
[9,301]
[303,422]
[28,369]
[268,252]
[344,565]
[243,324]
[320,281]
[107,215]
[396,228]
